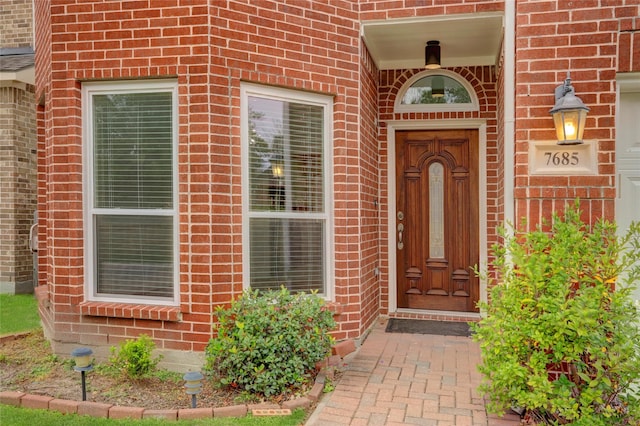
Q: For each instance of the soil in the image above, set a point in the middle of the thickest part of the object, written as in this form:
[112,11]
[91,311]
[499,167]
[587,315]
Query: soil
[28,365]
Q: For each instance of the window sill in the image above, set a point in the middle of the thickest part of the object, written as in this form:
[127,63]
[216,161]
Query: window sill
[126,310]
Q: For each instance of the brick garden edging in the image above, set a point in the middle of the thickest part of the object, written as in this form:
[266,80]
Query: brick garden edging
[99,409]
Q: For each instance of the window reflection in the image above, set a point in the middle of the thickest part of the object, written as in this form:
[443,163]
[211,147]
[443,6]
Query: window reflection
[436,89]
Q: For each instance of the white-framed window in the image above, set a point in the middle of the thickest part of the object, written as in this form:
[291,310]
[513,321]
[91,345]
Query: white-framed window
[436,90]
[287,204]
[130,178]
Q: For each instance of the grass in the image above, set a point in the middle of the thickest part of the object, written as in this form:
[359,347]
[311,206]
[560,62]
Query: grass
[15,416]
[18,312]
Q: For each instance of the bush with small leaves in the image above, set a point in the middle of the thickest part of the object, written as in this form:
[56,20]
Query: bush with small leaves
[268,343]
[562,301]
[134,358]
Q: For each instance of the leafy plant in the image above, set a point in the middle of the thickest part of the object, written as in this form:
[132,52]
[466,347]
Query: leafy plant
[329,386]
[562,302]
[268,343]
[134,358]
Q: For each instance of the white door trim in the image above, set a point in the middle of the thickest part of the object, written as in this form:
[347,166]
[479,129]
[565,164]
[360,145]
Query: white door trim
[627,154]
[392,127]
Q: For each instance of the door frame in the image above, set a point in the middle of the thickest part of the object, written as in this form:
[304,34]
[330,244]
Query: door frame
[394,125]
[626,83]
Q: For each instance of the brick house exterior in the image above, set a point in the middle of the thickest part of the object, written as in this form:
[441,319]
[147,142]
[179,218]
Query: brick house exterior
[224,62]
[17,146]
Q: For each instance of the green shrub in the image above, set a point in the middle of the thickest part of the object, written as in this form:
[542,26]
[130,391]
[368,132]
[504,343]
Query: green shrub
[134,359]
[554,307]
[268,343]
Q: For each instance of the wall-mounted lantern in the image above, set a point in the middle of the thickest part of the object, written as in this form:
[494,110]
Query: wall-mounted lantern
[569,114]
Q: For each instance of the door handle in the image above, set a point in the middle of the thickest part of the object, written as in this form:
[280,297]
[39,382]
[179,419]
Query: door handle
[400,232]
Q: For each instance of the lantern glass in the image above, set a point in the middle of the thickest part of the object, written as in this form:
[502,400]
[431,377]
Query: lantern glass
[569,125]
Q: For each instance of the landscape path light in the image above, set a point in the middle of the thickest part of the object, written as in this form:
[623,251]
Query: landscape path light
[83,363]
[193,385]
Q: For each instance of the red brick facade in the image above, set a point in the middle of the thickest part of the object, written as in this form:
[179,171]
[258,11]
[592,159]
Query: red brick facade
[593,40]
[211,47]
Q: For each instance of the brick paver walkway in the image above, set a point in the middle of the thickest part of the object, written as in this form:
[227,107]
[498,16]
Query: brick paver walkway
[409,379]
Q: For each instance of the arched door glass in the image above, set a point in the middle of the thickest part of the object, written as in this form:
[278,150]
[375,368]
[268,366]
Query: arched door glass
[436,89]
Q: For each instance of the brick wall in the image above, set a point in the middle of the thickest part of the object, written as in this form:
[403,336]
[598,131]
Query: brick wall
[496,185]
[629,43]
[17,156]
[16,21]
[209,47]
[553,37]
[17,186]
[393,9]
[125,40]
[371,287]
[42,16]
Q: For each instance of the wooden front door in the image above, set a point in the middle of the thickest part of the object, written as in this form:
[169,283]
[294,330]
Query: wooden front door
[437,219]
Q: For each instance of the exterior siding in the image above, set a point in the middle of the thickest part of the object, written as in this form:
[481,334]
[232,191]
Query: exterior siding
[17,185]
[17,23]
[587,39]
[629,41]
[210,48]
[42,16]
[496,154]
[372,292]
[18,156]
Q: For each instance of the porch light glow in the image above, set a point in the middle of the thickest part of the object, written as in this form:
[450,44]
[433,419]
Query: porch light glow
[569,114]
[276,169]
[432,55]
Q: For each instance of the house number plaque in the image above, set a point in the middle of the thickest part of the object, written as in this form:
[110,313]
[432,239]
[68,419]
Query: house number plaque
[549,158]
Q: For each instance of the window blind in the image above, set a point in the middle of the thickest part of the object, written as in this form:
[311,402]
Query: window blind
[286,201]
[133,151]
[134,255]
[133,194]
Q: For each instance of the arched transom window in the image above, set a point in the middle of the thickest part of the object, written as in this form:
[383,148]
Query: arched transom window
[439,90]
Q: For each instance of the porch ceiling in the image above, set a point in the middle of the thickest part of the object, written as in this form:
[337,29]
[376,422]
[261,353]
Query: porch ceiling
[465,40]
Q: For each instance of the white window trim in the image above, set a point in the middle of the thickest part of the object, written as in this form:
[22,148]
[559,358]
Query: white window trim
[124,87]
[473,106]
[288,95]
